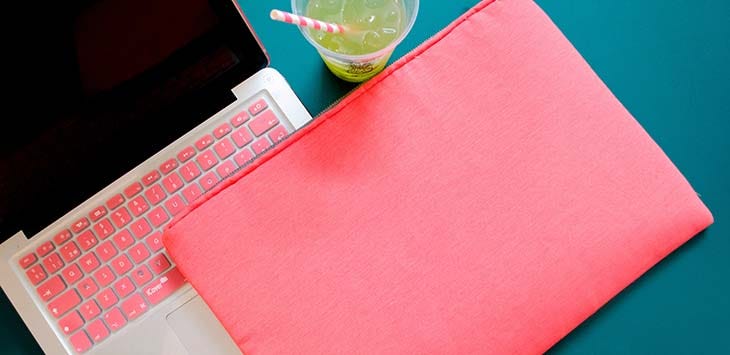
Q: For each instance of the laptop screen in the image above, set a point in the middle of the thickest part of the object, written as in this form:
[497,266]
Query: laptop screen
[108,84]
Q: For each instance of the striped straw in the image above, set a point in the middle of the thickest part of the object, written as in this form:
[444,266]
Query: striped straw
[307,22]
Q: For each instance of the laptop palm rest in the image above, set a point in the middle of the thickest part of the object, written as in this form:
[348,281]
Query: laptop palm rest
[199,331]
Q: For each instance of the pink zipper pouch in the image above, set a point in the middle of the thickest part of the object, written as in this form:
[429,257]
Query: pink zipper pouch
[485,194]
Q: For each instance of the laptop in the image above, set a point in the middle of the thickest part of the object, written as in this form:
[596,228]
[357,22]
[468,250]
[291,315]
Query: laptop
[146,105]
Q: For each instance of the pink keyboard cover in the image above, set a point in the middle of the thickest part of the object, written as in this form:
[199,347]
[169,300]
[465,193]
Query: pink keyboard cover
[109,267]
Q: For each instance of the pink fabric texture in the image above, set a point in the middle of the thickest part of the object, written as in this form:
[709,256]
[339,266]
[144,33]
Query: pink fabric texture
[485,194]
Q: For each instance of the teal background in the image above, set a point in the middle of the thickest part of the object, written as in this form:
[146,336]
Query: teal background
[668,62]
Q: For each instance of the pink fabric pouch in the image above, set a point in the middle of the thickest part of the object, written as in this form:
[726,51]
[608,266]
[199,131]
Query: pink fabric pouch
[485,194]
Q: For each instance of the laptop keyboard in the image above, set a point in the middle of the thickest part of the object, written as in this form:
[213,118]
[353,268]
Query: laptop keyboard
[109,267]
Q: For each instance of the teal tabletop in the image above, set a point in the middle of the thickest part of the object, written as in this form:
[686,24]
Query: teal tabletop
[668,62]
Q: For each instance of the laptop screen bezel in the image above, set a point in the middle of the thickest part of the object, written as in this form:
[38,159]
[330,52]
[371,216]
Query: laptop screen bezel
[233,16]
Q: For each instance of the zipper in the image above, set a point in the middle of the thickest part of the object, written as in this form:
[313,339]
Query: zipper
[336,102]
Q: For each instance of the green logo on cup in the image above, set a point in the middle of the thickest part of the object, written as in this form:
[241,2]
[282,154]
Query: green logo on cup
[360,68]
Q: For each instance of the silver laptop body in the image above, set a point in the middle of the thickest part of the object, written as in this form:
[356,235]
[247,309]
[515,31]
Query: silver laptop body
[181,323]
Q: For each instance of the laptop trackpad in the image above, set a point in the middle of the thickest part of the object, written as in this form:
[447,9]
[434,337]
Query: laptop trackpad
[199,331]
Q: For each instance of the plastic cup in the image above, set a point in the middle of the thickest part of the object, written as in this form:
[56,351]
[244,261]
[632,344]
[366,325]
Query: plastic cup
[357,68]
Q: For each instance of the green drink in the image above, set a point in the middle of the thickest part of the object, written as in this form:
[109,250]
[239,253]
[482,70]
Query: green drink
[374,24]
[374,28]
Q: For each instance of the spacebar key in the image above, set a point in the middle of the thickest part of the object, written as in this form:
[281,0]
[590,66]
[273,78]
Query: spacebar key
[159,289]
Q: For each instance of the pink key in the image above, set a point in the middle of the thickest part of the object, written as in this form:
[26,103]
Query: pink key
[172,182]
[124,287]
[224,148]
[64,302]
[206,160]
[241,137]
[89,310]
[222,130]
[138,206]
[62,237]
[104,276]
[159,263]
[138,253]
[114,202]
[114,319]
[70,323]
[208,181]
[260,145]
[190,171]
[36,274]
[121,264]
[27,260]
[226,168]
[157,217]
[159,289]
[71,274]
[258,106]
[89,262]
[70,252]
[97,213]
[123,240]
[243,157]
[191,193]
[121,217]
[175,205]
[133,189]
[53,263]
[239,119]
[151,177]
[87,287]
[44,249]
[204,142]
[141,228]
[186,154]
[155,241]
[141,275]
[97,331]
[86,240]
[278,134]
[79,225]
[263,123]
[80,342]
[134,306]
[51,288]
[104,228]
[155,194]
[106,251]
[168,166]
[107,298]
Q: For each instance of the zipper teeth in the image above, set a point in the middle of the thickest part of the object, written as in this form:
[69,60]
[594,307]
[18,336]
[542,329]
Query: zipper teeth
[336,102]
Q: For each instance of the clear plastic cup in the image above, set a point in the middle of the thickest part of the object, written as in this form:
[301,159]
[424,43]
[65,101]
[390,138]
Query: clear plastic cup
[357,68]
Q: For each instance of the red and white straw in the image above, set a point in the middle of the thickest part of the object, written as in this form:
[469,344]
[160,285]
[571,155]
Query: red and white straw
[307,22]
